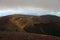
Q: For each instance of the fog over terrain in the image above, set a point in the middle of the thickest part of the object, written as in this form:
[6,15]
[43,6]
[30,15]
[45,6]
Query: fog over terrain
[30,7]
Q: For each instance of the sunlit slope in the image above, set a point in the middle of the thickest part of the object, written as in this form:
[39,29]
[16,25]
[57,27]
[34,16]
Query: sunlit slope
[31,24]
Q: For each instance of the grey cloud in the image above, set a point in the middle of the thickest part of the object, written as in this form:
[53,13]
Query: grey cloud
[48,4]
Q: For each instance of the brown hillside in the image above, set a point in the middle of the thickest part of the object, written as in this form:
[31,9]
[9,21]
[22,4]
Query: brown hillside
[47,24]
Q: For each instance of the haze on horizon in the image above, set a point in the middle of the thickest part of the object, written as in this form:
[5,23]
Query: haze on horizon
[30,7]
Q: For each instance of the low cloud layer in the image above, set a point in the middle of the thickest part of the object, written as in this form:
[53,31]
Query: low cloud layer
[32,6]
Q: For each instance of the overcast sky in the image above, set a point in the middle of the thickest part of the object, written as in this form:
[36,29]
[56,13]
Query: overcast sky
[35,6]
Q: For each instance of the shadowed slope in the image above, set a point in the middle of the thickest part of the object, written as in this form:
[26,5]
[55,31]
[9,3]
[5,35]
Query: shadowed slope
[49,24]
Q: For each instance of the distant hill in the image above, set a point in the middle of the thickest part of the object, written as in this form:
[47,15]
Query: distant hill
[46,24]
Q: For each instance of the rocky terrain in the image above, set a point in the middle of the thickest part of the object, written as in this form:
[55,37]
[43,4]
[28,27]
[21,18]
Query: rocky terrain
[46,25]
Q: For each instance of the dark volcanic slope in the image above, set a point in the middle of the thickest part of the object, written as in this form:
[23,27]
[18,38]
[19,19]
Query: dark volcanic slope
[47,24]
